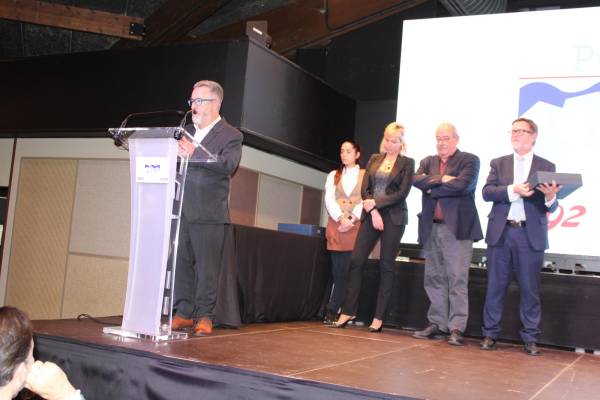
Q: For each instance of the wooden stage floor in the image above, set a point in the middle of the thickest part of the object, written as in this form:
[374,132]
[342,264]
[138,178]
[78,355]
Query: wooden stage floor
[391,362]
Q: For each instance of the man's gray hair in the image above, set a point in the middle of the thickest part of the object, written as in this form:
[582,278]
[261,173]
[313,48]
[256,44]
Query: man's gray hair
[448,125]
[214,87]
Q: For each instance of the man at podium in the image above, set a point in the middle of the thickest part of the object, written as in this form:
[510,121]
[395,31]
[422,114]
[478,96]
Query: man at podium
[205,209]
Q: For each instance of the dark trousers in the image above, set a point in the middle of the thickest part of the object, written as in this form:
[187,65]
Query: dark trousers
[513,254]
[199,257]
[367,237]
[340,265]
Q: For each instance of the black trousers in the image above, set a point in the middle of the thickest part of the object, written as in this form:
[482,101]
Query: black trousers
[340,265]
[367,237]
[199,256]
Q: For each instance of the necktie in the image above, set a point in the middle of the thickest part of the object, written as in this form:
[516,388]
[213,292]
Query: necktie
[437,211]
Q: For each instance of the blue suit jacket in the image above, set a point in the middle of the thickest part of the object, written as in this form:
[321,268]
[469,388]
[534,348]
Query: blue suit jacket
[457,197]
[501,175]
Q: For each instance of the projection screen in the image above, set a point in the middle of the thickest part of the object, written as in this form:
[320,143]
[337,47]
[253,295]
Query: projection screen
[482,72]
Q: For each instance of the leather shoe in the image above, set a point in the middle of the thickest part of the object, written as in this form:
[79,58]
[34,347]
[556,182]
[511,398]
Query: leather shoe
[456,338]
[181,323]
[431,332]
[203,327]
[531,349]
[487,344]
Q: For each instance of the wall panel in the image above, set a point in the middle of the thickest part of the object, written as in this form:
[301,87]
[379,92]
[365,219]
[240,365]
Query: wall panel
[40,236]
[312,200]
[278,201]
[243,197]
[101,214]
[94,285]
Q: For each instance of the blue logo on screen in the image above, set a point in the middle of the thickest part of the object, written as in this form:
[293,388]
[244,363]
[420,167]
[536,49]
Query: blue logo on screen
[533,93]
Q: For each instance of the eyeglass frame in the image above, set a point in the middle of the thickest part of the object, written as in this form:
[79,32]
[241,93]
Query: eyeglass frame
[519,132]
[199,101]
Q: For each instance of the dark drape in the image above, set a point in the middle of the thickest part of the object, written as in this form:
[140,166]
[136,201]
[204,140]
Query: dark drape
[281,276]
[110,372]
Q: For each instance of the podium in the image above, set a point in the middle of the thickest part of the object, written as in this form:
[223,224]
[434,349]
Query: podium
[157,188]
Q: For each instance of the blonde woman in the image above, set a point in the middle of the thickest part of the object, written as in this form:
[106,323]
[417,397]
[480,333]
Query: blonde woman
[344,206]
[387,182]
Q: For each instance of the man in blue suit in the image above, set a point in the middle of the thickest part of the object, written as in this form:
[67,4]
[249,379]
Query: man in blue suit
[448,225]
[517,234]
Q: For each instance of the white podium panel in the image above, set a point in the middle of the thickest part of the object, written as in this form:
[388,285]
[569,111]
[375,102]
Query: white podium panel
[153,164]
[157,183]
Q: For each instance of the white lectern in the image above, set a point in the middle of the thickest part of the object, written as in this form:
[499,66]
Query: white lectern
[157,183]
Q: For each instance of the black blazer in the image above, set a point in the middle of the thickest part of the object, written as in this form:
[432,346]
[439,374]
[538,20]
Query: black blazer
[398,187]
[457,197]
[501,175]
[206,193]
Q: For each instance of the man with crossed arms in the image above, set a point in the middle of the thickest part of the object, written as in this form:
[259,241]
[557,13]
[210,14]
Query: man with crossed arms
[448,225]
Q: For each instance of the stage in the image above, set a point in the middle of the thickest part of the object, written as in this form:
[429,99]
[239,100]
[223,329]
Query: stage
[306,360]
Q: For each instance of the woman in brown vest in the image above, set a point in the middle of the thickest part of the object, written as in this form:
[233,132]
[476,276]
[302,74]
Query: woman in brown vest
[344,205]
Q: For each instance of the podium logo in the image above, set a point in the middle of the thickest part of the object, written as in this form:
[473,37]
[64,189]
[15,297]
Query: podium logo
[152,170]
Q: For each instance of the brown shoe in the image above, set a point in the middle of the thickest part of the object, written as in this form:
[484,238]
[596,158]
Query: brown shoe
[181,323]
[456,338]
[203,327]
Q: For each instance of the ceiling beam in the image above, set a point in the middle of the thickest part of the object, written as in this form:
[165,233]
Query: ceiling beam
[305,23]
[69,17]
[173,20]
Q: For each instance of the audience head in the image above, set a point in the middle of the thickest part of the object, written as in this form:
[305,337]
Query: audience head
[16,349]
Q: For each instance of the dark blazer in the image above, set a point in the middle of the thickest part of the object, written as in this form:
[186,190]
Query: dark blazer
[501,175]
[206,194]
[397,189]
[457,197]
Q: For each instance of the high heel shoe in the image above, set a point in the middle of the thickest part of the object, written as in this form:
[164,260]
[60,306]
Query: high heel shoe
[337,324]
[376,330]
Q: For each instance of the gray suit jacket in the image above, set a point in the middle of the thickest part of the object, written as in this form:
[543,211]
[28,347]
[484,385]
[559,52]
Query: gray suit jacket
[206,194]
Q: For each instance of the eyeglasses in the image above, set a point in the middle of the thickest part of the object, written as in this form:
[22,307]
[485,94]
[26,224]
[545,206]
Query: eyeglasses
[519,132]
[199,101]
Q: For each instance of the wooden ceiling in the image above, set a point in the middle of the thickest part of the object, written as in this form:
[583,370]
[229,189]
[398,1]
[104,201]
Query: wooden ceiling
[292,24]
[70,17]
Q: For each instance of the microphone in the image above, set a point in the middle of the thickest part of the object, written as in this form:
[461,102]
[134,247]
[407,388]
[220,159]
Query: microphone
[179,132]
[184,119]
[146,113]
[121,134]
